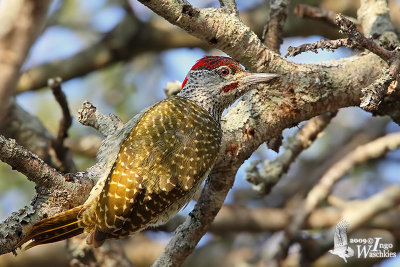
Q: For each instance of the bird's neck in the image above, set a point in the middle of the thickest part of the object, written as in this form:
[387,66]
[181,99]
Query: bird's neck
[205,100]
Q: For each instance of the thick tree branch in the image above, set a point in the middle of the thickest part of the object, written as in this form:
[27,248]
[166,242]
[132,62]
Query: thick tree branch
[55,191]
[15,43]
[29,164]
[128,39]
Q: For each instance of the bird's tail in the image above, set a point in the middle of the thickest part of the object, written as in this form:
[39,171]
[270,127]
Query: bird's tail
[59,227]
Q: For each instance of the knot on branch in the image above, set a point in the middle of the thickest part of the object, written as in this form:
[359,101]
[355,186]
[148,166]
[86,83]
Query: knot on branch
[190,11]
[89,116]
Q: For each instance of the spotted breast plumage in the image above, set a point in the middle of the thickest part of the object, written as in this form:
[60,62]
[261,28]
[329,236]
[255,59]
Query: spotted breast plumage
[157,161]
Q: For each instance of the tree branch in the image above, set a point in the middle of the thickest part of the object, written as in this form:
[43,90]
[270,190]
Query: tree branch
[372,150]
[128,39]
[15,44]
[361,154]
[235,218]
[264,180]
[55,191]
[229,6]
[65,123]
[106,125]
[372,95]
[273,31]
[317,13]
[329,45]
[29,164]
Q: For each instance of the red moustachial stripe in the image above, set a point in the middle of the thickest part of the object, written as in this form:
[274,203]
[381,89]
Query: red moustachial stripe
[229,87]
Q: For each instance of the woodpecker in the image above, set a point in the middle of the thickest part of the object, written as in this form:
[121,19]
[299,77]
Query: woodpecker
[157,161]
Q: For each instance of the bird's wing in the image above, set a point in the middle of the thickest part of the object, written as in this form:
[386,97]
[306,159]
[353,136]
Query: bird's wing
[171,148]
[109,151]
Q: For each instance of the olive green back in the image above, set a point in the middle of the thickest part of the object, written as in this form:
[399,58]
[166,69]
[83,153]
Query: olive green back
[168,152]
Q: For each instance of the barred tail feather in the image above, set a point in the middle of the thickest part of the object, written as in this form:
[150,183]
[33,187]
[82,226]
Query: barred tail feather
[53,229]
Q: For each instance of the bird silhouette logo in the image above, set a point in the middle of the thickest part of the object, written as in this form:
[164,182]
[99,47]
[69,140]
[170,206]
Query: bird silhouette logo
[341,247]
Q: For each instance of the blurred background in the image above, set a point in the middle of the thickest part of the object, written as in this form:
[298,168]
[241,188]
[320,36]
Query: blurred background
[136,80]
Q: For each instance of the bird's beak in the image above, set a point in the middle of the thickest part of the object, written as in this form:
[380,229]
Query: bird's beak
[254,78]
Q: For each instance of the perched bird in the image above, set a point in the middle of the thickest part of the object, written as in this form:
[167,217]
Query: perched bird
[340,245]
[158,159]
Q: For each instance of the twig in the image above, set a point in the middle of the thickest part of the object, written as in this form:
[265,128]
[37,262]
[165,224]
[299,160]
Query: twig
[373,94]
[273,38]
[372,150]
[349,28]
[264,180]
[66,121]
[329,45]
[273,31]
[307,11]
[89,116]
[229,6]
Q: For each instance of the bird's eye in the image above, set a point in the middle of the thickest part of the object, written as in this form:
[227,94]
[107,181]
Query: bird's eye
[225,71]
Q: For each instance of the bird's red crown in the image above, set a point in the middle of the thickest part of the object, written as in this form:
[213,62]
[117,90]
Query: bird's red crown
[212,62]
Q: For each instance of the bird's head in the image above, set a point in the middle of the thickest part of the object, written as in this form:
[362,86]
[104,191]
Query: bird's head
[218,81]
